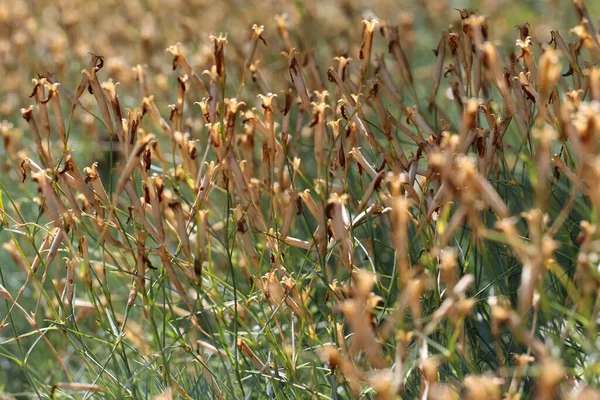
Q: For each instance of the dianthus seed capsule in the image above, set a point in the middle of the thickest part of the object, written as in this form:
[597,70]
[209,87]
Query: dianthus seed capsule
[372,222]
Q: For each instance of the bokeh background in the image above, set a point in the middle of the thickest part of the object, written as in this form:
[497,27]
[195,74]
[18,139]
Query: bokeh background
[39,36]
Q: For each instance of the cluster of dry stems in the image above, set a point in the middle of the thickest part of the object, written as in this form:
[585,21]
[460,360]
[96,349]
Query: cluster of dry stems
[175,172]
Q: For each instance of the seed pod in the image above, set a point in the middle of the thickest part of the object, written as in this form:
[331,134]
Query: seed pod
[298,79]
[179,59]
[257,31]
[219,54]
[320,129]
[365,49]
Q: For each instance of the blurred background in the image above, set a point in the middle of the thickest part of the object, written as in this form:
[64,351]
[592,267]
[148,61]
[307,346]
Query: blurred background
[41,36]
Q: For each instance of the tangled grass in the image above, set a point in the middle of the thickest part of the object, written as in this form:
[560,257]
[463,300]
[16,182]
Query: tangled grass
[259,218]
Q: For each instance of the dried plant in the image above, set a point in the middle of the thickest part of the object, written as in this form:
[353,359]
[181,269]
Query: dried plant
[303,208]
